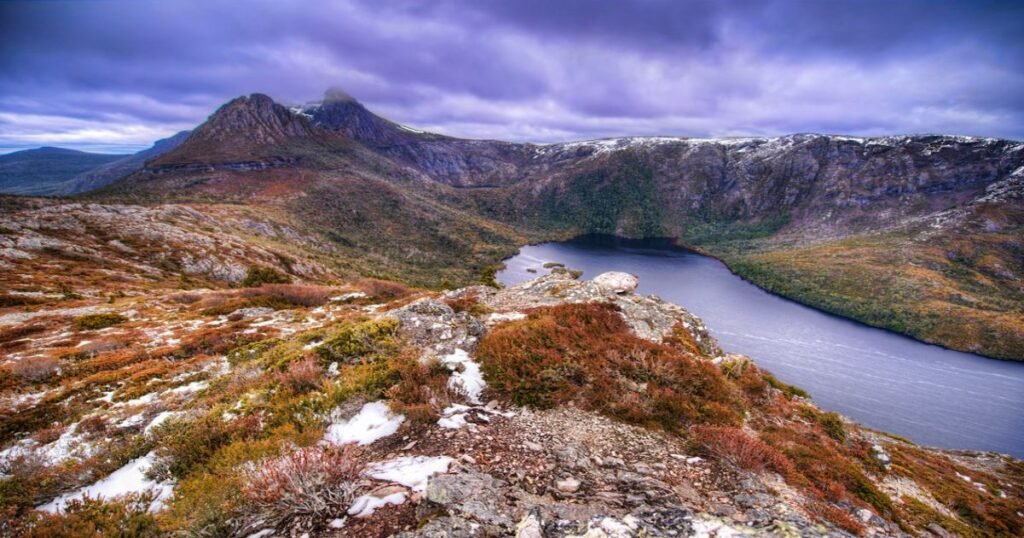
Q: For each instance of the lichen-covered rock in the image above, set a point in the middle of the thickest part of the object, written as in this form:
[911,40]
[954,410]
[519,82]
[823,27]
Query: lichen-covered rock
[436,327]
[617,282]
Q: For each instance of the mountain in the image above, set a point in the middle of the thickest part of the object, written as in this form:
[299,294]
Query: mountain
[217,345]
[40,171]
[883,230]
[107,173]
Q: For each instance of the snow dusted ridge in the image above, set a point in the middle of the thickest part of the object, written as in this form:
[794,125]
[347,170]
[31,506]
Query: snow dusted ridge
[374,421]
[606,145]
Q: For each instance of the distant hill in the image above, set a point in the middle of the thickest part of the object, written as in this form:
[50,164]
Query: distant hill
[40,171]
[109,172]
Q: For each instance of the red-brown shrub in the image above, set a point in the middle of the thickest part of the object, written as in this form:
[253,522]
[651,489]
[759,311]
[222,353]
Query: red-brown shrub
[586,353]
[423,390]
[301,488]
[839,517]
[302,375]
[35,369]
[291,294]
[384,290]
[741,449]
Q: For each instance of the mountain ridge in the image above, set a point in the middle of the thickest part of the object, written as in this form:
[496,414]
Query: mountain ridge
[771,207]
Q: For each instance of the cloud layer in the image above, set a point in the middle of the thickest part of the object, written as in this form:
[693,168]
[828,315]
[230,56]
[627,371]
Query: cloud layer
[119,74]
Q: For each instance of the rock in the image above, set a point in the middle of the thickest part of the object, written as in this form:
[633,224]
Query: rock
[476,496]
[617,282]
[568,485]
[530,527]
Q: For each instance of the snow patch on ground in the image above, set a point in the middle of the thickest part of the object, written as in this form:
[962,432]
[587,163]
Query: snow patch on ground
[158,420]
[128,479]
[365,505]
[374,421]
[469,379]
[410,471]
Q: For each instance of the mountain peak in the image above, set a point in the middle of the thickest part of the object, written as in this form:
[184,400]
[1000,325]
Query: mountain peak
[338,95]
[241,129]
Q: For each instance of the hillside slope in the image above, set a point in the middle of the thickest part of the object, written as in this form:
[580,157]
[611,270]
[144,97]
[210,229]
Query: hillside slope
[41,171]
[105,174]
[157,372]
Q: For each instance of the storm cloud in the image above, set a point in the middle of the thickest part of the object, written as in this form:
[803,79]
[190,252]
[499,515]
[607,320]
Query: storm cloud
[116,75]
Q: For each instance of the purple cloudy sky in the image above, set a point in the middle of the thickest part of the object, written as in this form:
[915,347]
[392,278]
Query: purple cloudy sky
[115,75]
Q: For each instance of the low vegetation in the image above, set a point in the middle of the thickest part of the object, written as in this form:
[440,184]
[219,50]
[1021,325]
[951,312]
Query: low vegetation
[586,354]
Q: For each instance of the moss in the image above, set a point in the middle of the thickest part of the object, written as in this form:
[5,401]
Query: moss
[92,322]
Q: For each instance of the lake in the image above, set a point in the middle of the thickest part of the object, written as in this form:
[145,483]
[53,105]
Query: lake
[883,380]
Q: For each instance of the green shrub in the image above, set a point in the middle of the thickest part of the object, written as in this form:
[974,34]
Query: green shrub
[258,276]
[366,341]
[789,390]
[833,425]
[92,322]
[188,444]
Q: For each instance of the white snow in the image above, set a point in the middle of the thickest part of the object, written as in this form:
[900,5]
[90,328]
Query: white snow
[158,420]
[453,417]
[410,471]
[499,317]
[365,505]
[128,479]
[469,380]
[194,386]
[374,421]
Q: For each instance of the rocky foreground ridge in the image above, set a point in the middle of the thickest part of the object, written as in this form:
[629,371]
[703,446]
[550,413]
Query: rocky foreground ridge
[556,408]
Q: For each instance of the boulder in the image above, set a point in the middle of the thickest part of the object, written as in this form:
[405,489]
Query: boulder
[617,282]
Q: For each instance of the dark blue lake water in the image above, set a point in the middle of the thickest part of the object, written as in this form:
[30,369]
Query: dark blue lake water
[931,395]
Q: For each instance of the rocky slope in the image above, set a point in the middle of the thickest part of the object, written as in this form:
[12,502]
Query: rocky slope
[361,408]
[817,218]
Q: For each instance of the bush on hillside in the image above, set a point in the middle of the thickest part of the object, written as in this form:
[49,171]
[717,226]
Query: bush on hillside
[259,275]
[585,353]
[92,322]
[302,488]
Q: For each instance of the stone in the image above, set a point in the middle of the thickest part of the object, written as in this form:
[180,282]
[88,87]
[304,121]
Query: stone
[617,282]
[476,496]
[529,527]
[568,485]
